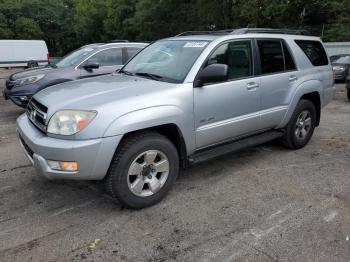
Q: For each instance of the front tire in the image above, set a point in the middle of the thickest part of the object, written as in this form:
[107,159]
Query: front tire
[301,126]
[143,170]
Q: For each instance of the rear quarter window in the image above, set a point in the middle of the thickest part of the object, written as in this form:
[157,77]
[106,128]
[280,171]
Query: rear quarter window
[314,51]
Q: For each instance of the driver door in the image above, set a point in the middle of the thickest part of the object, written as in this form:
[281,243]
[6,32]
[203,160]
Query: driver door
[109,61]
[228,110]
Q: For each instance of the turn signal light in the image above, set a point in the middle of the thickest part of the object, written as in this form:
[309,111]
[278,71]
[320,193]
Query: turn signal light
[63,165]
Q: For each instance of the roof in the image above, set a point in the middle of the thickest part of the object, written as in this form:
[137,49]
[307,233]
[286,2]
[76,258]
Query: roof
[98,45]
[212,35]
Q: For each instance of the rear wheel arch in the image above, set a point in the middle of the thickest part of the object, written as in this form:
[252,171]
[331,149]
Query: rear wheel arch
[315,98]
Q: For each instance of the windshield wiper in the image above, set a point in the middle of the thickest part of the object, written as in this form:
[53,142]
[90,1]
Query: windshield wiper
[125,72]
[148,75]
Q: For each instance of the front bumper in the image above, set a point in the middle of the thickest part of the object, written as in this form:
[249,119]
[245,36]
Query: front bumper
[17,93]
[93,156]
[341,76]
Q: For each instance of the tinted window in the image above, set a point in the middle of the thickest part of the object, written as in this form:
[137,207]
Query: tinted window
[108,57]
[314,51]
[289,62]
[271,56]
[237,56]
[131,52]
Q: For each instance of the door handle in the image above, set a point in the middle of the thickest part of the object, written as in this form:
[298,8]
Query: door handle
[252,86]
[293,78]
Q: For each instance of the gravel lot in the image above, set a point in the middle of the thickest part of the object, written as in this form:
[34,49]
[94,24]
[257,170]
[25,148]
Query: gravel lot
[262,204]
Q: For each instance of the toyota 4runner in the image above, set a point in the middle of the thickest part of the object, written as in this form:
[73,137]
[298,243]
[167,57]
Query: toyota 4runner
[181,100]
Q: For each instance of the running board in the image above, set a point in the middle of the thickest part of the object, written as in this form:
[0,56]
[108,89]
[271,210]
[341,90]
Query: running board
[226,148]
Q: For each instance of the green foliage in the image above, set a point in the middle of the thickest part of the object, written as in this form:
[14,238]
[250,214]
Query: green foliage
[68,24]
[27,28]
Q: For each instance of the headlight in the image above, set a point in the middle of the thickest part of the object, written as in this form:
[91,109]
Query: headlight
[69,122]
[338,68]
[28,80]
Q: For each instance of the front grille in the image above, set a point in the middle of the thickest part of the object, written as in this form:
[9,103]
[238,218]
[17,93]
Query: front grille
[36,112]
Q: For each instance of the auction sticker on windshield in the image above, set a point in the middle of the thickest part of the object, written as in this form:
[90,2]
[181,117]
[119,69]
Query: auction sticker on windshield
[200,44]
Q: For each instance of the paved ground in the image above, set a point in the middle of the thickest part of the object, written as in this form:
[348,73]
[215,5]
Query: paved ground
[263,204]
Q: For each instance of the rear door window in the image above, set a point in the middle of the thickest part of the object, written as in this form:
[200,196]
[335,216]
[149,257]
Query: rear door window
[314,51]
[271,56]
[288,59]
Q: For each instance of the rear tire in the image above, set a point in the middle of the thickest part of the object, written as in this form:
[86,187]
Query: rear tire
[348,94]
[301,125]
[32,64]
[143,170]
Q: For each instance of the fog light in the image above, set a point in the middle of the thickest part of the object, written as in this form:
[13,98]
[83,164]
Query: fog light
[63,165]
[23,98]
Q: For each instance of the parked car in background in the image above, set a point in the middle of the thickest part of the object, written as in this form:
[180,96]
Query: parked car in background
[341,67]
[180,101]
[88,61]
[335,57]
[348,85]
[23,53]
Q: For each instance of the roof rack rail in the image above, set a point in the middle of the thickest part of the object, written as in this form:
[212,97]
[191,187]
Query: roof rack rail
[248,31]
[271,31]
[218,32]
[117,41]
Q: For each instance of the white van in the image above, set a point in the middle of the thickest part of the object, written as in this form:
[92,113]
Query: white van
[23,53]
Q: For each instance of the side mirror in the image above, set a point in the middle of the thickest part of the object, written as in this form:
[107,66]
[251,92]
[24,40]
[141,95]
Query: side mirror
[90,66]
[213,73]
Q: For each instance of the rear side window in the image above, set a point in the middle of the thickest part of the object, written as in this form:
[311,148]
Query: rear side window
[314,51]
[271,56]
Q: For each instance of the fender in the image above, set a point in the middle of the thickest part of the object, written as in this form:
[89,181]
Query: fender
[304,88]
[57,81]
[152,117]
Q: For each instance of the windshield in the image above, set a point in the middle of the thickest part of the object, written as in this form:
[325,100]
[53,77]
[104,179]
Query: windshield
[74,57]
[343,60]
[166,60]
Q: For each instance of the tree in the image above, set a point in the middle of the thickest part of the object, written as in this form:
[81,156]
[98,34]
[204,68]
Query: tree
[27,28]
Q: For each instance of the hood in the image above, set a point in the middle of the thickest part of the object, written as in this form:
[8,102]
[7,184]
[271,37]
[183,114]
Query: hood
[35,71]
[97,92]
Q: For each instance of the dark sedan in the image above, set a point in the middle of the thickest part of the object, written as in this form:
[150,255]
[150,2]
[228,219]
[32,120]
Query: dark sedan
[88,61]
[341,67]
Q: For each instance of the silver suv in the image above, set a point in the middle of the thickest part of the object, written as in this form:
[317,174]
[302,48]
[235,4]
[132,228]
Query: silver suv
[181,100]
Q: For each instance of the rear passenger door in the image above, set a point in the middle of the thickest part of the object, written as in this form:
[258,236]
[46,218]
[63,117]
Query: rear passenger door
[230,109]
[279,75]
[109,61]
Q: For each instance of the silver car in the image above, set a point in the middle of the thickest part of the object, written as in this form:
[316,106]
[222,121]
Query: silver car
[180,101]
